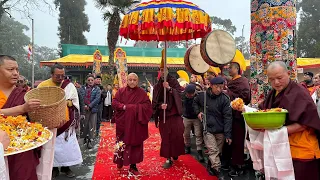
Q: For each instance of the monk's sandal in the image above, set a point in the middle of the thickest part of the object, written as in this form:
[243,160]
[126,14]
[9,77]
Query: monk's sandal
[167,164]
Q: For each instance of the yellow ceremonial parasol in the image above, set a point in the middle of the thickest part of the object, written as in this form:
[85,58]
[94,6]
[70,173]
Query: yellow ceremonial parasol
[165,20]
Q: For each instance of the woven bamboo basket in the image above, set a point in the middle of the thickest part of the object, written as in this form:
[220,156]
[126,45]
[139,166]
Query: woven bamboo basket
[52,111]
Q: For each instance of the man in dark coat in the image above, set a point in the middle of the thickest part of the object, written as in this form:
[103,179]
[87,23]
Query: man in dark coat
[217,122]
[171,127]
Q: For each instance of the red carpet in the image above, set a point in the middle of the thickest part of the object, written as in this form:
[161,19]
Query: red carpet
[151,168]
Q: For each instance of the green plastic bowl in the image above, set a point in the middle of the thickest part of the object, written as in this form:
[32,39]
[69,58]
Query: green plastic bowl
[265,120]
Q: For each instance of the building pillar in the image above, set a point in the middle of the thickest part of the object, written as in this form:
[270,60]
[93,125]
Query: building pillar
[272,38]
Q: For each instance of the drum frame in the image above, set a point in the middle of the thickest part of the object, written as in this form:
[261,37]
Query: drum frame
[204,54]
[187,60]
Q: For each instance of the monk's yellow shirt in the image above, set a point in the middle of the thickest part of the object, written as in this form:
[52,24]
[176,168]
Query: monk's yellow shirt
[304,144]
[236,77]
[50,83]
[3,99]
[114,92]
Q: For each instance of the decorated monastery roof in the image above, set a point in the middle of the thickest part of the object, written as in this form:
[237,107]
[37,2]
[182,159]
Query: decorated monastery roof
[80,55]
[138,61]
[133,61]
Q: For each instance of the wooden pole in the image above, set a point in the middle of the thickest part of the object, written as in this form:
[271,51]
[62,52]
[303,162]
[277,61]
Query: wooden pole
[32,50]
[165,79]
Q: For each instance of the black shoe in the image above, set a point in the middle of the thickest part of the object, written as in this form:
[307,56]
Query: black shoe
[211,172]
[85,140]
[234,172]
[210,169]
[167,164]
[225,167]
[219,174]
[175,158]
[89,145]
[187,150]
[68,172]
[55,172]
[200,156]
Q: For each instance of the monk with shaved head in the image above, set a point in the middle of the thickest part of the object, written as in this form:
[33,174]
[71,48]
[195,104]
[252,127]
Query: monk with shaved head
[302,122]
[133,110]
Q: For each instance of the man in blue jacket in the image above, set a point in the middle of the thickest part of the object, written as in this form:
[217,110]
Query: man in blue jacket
[92,97]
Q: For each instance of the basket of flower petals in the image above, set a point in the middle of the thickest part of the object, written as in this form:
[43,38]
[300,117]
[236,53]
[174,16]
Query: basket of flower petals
[266,119]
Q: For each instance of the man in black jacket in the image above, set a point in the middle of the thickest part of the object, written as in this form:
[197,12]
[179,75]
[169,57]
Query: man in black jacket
[217,121]
[190,119]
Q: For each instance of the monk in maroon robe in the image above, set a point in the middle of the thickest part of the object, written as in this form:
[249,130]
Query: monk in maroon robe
[302,121]
[237,87]
[171,131]
[133,111]
[22,166]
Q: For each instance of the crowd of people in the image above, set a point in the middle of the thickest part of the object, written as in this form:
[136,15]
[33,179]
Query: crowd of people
[200,108]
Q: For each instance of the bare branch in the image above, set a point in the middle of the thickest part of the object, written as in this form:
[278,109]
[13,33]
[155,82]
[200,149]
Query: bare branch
[25,7]
[3,2]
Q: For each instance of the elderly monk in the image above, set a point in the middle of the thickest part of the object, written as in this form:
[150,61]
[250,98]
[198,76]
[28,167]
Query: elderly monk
[133,112]
[172,129]
[302,122]
[67,151]
[23,165]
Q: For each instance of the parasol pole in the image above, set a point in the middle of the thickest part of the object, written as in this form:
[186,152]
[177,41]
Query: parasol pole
[165,79]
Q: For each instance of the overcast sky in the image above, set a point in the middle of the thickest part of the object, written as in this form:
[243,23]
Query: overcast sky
[46,24]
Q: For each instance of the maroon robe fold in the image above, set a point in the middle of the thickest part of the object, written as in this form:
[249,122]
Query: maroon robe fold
[21,166]
[131,123]
[172,143]
[238,88]
[301,110]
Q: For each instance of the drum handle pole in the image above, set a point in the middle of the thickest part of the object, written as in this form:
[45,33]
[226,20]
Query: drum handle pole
[165,80]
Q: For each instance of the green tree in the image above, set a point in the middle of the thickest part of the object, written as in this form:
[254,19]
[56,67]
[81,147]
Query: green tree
[308,38]
[14,43]
[43,53]
[73,22]
[224,24]
[112,9]
[243,46]
[22,6]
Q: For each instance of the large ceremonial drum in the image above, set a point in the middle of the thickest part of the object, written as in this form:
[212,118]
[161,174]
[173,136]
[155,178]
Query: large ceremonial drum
[194,62]
[218,48]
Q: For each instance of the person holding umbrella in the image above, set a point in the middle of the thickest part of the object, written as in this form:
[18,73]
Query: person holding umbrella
[171,129]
